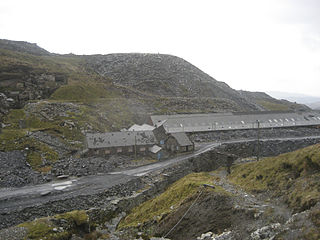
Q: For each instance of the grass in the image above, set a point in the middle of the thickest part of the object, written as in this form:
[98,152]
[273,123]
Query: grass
[78,217]
[43,229]
[166,202]
[294,175]
[46,228]
[19,140]
[81,92]
[14,138]
[272,106]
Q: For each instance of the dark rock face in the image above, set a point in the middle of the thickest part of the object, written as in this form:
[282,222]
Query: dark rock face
[22,84]
[164,75]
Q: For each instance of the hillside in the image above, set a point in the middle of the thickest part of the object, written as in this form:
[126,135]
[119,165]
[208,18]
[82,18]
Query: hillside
[266,102]
[276,197]
[48,101]
[314,105]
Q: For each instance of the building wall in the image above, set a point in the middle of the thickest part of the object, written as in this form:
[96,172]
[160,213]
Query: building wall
[173,146]
[126,150]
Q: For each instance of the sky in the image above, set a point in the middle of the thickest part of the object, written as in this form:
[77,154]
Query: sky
[255,45]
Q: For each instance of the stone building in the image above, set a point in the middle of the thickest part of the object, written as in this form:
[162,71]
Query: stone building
[129,143]
[173,142]
[179,142]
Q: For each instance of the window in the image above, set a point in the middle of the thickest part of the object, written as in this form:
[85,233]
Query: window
[130,149]
[142,149]
[107,151]
[119,150]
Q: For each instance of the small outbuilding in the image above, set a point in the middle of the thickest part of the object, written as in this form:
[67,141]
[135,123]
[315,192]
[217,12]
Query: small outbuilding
[156,152]
[179,142]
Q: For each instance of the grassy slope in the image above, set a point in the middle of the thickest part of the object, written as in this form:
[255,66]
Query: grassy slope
[294,175]
[168,201]
[273,105]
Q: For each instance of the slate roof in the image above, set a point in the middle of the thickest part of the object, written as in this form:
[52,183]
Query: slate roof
[226,121]
[182,139]
[119,139]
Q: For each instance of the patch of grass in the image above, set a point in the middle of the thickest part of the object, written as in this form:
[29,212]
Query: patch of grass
[47,228]
[78,217]
[81,92]
[18,140]
[43,229]
[272,106]
[171,199]
[293,175]
[12,139]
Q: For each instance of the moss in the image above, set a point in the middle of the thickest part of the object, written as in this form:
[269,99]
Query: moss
[34,159]
[79,217]
[43,229]
[171,199]
[312,234]
[294,175]
[12,119]
[47,228]
[11,139]
[315,218]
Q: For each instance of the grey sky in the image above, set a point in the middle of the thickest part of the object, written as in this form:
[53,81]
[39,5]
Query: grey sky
[257,45]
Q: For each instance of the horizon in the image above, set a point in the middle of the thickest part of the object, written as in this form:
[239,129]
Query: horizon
[254,46]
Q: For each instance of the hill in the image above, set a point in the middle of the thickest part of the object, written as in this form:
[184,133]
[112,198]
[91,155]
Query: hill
[314,105]
[50,100]
[266,102]
[24,47]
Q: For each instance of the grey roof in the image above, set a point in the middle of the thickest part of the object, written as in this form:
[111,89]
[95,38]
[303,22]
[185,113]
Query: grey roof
[228,121]
[155,149]
[143,127]
[182,139]
[119,139]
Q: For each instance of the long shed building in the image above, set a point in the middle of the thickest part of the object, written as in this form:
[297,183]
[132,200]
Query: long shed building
[232,121]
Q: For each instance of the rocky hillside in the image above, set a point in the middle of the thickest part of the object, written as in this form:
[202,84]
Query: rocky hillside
[48,100]
[274,198]
[163,75]
[23,47]
[265,102]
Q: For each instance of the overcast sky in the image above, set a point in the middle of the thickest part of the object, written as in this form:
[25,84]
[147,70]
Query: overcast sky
[257,45]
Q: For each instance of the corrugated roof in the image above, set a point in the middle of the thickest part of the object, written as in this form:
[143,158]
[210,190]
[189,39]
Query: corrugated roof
[182,139]
[119,139]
